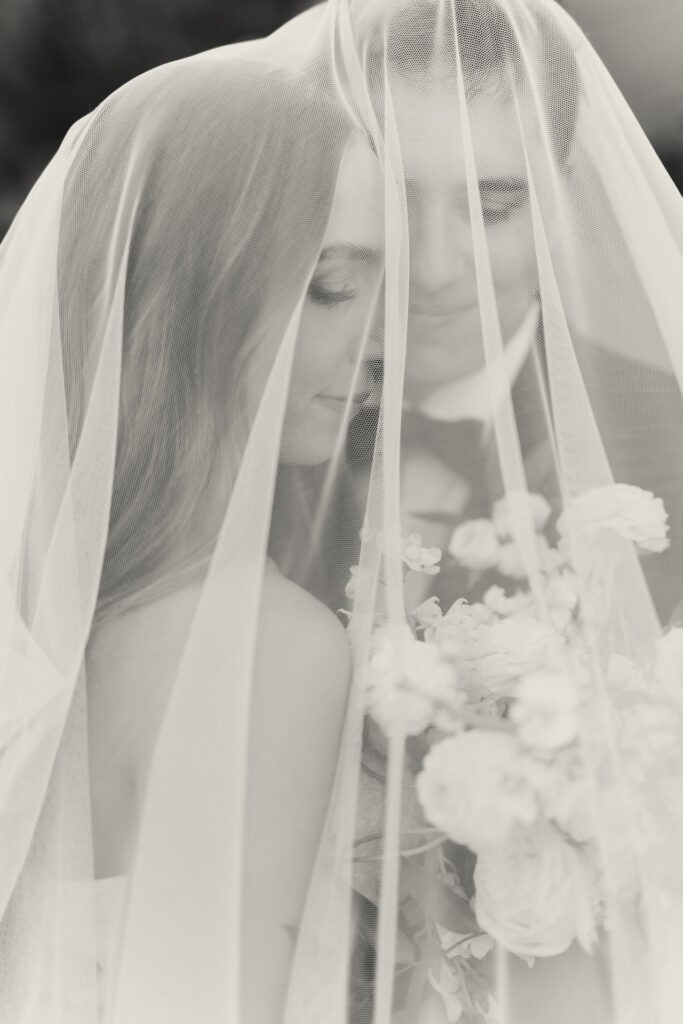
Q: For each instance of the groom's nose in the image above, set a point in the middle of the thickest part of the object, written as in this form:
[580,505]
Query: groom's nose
[439,257]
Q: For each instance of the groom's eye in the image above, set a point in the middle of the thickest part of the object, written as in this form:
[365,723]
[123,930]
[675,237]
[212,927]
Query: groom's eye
[499,214]
[500,199]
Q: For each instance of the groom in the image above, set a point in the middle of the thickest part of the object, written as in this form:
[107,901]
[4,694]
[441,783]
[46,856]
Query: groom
[449,462]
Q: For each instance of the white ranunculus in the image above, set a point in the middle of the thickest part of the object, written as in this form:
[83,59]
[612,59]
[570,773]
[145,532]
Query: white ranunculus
[474,544]
[536,895]
[407,681]
[516,506]
[420,558]
[472,788]
[545,711]
[458,629]
[504,650]
[628,511]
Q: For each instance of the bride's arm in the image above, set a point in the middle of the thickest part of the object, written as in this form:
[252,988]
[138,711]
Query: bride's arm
[300,689]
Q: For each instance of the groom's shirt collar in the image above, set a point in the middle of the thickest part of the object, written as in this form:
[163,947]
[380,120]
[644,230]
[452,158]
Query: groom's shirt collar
[474,397]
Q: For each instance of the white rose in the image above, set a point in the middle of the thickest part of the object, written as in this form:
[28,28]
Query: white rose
[536,895]
[545,711]
[419,558]
[471,788]
[407,681]
[628,511]
[516,506]
[475,545]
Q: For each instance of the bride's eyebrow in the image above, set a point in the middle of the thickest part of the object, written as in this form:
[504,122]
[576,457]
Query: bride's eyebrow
[349,251]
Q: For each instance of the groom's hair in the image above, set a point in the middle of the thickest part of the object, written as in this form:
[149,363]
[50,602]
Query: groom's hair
[424,41]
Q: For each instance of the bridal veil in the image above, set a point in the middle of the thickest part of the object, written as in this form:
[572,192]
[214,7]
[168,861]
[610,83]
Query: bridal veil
[154,291]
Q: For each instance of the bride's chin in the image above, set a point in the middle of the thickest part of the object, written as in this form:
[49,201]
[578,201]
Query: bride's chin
[316,436]
[309,448]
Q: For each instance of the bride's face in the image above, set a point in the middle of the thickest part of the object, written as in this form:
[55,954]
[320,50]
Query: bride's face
[330,377]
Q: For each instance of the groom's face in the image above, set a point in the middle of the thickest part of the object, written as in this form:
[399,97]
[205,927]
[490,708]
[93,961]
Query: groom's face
[444,329]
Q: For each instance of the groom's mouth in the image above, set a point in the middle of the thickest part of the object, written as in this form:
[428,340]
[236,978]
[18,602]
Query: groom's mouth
[437,312]
[340,402]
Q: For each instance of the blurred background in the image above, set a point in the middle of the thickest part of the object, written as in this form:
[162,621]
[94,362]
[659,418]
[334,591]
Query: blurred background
[59,58]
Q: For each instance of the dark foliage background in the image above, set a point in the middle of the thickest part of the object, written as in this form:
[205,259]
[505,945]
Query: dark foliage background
[60,58]
[672,157]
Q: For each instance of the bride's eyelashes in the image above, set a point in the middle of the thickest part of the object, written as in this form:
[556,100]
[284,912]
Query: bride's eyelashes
[323,295]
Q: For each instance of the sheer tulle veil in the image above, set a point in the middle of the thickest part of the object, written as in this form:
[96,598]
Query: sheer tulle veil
[168,310]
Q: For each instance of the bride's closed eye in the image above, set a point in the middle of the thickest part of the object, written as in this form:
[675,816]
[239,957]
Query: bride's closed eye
[325,292]
[344,271]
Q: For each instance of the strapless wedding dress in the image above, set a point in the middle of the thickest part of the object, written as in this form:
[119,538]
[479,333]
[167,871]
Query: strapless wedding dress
[89,934]
[110,899]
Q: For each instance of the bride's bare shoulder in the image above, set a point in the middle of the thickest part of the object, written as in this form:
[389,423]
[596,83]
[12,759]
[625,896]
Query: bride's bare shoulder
[293,626]
[300,632]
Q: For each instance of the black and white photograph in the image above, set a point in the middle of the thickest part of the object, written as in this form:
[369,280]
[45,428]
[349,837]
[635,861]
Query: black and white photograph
[341,512]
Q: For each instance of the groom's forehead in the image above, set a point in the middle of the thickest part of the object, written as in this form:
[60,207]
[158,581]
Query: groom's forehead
[436,140]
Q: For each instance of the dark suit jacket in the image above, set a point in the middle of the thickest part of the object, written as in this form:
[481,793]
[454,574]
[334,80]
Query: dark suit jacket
[639,414]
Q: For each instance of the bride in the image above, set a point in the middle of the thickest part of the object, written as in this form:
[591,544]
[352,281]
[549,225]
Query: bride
[196,228]
[196,345]
[403,266]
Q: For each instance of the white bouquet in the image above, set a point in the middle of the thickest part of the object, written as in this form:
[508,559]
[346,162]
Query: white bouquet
[539,737]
